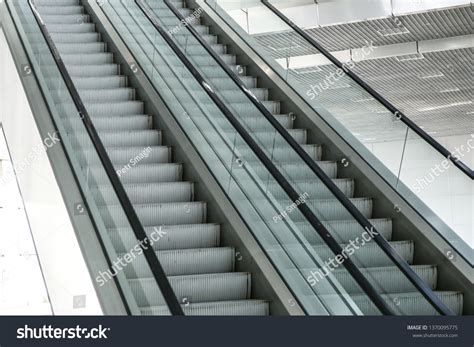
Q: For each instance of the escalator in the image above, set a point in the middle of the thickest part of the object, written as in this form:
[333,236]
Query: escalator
[200,269]
[192,40]
[190,253]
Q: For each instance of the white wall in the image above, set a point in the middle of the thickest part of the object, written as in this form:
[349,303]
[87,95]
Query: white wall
[65,271]
[22,289]
[447,191]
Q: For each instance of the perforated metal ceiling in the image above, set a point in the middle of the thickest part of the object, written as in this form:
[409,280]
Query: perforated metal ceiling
[436,91]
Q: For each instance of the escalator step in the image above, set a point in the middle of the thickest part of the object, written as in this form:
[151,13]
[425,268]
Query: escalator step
[116,108]
[157,214]
[142,138]
[147,193]
[141,173]
[370,254]
[194,288]
[57,2]
[183,262]
[332,209]
[345,230]
[389,279]
[63,9]
[107,95]
[66,18]
[172,237]
[221,308]
[83,48]
[86,59]
[71,28]
[100,82]
[280,153]
[314,189]
[117,123]
[98,95]
[78,38]
[93,70]
[386,279]
[151,154]
[412,303]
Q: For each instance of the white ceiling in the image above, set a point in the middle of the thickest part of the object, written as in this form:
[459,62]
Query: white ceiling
[435,89]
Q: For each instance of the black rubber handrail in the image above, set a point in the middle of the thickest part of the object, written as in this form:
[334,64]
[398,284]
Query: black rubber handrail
[155,266]
[418,283]
[271,167]
[415,128]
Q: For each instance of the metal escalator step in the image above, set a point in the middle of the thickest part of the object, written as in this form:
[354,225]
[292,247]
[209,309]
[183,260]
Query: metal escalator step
[141,173]
[345,230]
[201,29]
[270,138]
[146,193]
[157,214]
[412,303]
[195,288]
[170,21]
[370,254]
[121,156]
[66,19]
[171,237]
[93,70]
[298,170]
[314,189]
[232,93]
[167,13]
[71,28]
[136,138]
[162,5]
[122,123]
[202,60]
[91,96]
[83,48]
[86,59]
[57,2]
[107,95]
[184,262]
[222,82]
[151,154]
[100,82]
[78,38]
[220,308]
[256,123]
[281,154]
[56,9]
[116,108]
[388,279]
[331,209]
[210,72]
[183,36]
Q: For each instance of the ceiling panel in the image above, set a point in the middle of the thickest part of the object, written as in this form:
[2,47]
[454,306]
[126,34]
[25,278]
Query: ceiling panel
[436,91]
